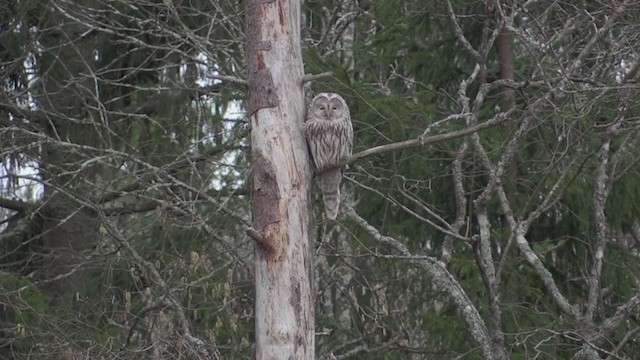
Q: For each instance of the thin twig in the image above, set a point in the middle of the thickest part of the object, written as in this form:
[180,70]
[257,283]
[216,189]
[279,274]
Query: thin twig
[313,77]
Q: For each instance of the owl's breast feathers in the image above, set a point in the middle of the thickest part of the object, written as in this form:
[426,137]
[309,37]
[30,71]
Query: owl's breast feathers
[329,141]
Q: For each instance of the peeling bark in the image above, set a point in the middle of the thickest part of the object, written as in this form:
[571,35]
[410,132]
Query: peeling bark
[281,203]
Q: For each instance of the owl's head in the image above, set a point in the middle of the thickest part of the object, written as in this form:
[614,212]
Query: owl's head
[328,106]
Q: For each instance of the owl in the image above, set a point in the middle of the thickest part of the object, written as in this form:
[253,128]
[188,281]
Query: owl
[329,135]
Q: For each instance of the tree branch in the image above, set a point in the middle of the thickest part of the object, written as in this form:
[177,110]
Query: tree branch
[460,35]
[442,279]
[232,79]
[16,205]
[168,297]
[611,324]
[255,235]
[545,275]
[599,199]
[422,141]
[313,77]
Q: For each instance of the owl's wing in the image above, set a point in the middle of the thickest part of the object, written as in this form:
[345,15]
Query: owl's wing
[350,138]
[349,135]
[309,134]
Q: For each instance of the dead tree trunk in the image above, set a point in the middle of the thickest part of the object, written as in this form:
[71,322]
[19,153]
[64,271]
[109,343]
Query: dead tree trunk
[281,203]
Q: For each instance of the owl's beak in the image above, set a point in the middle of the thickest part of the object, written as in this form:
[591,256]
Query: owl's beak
[327,114]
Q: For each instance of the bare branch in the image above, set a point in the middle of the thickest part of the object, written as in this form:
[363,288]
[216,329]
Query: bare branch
[231,79]
[312,77]
[16,205]
[460,34]
[422,141]
[445,230]
[623,311]
[441,278]
[600,196]
[255,235]
[545,275]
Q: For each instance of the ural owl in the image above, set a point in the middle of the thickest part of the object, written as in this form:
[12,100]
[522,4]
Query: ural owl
[330,137]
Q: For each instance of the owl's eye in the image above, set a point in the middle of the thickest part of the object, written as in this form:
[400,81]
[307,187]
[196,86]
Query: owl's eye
[335,108]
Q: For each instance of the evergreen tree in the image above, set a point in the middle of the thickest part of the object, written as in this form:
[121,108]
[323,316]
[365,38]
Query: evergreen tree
[490,209]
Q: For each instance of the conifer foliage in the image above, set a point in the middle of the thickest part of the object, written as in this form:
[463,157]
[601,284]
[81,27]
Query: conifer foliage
[490,210]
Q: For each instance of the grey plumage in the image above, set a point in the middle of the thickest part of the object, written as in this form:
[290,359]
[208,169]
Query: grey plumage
[329,134]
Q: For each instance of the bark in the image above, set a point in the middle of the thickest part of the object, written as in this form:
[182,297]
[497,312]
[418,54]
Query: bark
[66,93]
[505,57]
[281,202]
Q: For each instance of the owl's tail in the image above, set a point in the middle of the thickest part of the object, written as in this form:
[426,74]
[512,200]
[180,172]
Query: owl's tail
[330,186]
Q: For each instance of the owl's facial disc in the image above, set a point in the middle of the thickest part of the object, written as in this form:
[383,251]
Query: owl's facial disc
[327,112]
[334,109]
[322,106]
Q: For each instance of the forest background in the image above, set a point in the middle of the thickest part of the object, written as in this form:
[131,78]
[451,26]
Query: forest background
[125,180]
